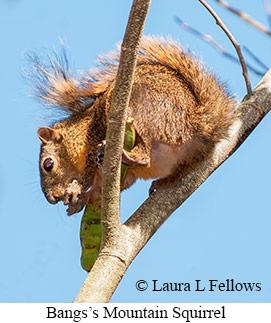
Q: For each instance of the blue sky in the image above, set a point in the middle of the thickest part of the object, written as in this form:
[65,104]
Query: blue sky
[221,232]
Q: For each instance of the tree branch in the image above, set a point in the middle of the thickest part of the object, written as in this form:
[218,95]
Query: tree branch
[209,39]
[268,13]
[244,16]
[139,228]
[121,243]
[233,41]
[117,118]
[111,252]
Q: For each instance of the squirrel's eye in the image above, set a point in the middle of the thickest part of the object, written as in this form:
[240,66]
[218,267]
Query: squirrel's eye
[48,164]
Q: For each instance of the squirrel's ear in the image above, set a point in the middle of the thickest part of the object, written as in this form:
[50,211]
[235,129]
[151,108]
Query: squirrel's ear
[47,135]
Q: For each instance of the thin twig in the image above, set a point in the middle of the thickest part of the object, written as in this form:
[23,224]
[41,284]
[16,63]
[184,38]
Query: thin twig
[233,41]
[209,39]
[256,59]
[268,12]
[244,16]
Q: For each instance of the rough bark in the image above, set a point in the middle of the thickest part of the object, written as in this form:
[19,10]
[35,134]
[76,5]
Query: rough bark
[110,211]
[117,118]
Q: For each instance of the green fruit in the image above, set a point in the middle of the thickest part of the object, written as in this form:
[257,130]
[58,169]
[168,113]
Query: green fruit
[91,229]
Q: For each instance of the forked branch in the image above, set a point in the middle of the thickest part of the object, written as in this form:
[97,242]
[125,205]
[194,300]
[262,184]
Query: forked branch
[139,228]
[123,242]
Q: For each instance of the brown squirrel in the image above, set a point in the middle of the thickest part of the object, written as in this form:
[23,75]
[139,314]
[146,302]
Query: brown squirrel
[180,112]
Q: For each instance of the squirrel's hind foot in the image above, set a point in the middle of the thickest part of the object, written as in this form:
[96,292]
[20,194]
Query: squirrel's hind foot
[158,184]
[126,158]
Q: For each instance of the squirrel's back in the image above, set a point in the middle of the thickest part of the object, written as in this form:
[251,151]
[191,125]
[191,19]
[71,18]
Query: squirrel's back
[214,109]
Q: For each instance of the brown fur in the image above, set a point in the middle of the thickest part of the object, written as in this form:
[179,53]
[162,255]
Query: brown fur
[180,111]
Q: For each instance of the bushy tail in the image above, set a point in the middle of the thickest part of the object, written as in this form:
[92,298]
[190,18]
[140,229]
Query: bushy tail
[57,87]
[54,84]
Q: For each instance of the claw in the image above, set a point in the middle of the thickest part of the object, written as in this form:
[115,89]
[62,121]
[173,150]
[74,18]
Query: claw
[152,189]
[72,209]
[77,205]
[71,198]
[100,154]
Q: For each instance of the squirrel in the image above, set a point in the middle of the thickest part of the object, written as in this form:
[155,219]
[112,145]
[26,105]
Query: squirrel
[180,112]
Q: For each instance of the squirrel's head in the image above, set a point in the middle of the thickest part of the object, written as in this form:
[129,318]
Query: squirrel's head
[62,167]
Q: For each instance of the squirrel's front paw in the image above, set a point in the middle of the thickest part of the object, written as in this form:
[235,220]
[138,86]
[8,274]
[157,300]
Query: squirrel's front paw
[74,198]
[100,154]
[72,209]
[72,192]
[79,204]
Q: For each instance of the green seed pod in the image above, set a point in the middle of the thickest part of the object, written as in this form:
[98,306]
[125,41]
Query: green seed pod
[91,229]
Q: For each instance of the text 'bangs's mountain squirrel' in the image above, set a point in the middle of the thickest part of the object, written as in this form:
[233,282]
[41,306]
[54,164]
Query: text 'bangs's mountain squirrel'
[180,112]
